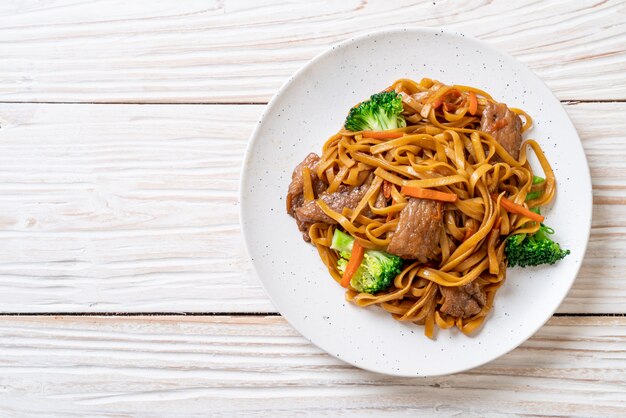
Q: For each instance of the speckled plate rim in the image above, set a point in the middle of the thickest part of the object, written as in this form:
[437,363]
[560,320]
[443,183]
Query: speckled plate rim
[335,48]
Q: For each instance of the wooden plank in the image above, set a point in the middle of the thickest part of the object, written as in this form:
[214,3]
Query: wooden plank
[603,140]
[242,366]
[133,208]
[123,208]
[241,51]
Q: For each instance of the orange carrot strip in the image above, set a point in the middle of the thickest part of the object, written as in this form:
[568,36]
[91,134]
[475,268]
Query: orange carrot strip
[442,99]
[428,194]
[353,264]
[519,209]
[386,189]
[381,134]
[499,124]
[473,103]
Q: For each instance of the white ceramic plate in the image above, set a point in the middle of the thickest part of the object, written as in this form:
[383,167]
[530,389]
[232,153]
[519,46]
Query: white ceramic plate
[310,107]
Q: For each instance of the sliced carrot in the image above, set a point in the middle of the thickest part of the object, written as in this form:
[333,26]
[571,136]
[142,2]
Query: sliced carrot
[428,194]
[454,93]
[473,103]
[499,124]
[386,189]
[519,209]
[388,89]
[353,264]
[381,134]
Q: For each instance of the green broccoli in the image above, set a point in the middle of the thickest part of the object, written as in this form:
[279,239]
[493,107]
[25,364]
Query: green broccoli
[538,180]
[383,111]
[532,250]
[342,242]
[534,195]
[377,270]
[537,194]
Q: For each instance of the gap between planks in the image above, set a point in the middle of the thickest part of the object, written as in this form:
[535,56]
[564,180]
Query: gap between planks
[260,314]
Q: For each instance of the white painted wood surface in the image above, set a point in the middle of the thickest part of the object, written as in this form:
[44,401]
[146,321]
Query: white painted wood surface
[242,50]
[127,208]
[133,208]
[256,366]
[123,208]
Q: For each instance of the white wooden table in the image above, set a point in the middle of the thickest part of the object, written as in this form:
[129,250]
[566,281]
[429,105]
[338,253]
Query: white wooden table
[125,289]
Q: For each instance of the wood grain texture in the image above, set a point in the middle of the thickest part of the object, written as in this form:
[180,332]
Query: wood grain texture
[255,366]
[123,208]
[132,208]
[242,50]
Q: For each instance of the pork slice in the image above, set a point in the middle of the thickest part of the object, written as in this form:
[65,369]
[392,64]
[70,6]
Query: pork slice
[463,301]
[297,183]
[345,197]
[381,201]
[504,125]
[303,226]
[419,229]
[295,199]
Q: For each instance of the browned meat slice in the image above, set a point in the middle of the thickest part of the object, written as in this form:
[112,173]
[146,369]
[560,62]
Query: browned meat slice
[419,229]
[381,201]
[303,227]
[345,197]
[294,194]
[296,186]
[504,125]
[463,301]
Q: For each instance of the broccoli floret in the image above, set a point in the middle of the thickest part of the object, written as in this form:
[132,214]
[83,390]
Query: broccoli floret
[342,242]
[383,111]
[537,194]
[532,250]
[534,195]
[377,270]
[538,180]
[342,263]
[380,268]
